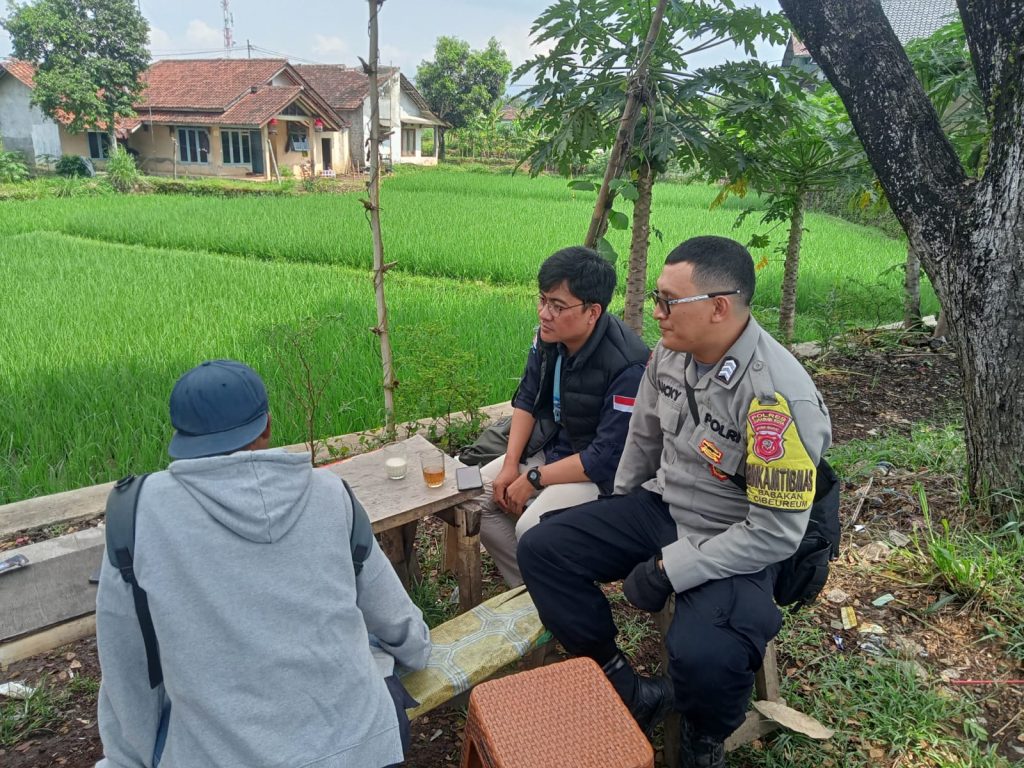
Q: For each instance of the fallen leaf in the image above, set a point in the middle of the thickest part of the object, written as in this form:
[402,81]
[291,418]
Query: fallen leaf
[792,719]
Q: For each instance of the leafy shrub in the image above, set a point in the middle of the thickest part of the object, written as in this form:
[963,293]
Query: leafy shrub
[73,165]
[122,173]
[12,166]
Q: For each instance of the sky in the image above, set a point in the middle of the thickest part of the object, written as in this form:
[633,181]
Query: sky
[335,31]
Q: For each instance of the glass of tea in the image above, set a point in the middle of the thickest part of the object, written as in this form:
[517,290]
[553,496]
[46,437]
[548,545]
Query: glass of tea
[432,463]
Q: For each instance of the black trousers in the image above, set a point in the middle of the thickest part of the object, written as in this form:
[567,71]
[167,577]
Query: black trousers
[717,639]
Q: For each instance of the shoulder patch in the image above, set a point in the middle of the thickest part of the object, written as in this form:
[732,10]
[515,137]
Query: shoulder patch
[780,474]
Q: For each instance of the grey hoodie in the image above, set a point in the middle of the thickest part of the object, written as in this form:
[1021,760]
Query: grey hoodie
[262,625]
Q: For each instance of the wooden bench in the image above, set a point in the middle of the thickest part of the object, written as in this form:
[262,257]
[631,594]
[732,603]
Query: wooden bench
[474,646]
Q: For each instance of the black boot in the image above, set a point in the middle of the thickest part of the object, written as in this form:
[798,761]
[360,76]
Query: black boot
[649,699]
[699,750]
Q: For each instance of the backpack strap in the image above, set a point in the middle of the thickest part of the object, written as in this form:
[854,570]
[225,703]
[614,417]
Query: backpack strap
[361,540]
[122,507]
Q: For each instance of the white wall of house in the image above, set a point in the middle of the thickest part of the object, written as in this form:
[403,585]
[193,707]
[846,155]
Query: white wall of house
[23,127]
[408,108]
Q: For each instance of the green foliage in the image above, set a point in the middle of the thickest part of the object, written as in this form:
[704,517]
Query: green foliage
[122,173]
[581,80]
[460,84]
[12,167]
[942,63]
[88,56]
[72,165]
[21,718]
[939,449]
[437,384]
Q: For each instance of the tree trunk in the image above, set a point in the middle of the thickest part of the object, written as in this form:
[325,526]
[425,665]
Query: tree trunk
[379,267]
[440,143]
[791,270]
[636,278]
[912,290]
[635,88]
[968,233]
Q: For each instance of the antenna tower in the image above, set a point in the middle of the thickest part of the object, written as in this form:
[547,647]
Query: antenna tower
[229,22]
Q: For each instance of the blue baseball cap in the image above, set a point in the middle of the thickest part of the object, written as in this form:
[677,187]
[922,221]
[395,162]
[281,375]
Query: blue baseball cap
[218,407]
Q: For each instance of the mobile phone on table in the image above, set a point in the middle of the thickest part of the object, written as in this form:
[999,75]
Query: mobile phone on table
[468,478]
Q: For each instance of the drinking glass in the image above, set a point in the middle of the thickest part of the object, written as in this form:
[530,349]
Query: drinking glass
[432,464]
[396,460]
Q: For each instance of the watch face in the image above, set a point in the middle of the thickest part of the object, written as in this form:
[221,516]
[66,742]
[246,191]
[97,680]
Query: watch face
[534,477]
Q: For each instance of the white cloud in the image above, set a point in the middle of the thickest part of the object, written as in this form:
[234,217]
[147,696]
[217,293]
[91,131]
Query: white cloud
[159,40]
[201,35]
[331,48]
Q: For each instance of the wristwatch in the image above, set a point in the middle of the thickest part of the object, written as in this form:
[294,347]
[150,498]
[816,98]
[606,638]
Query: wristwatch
[534,477]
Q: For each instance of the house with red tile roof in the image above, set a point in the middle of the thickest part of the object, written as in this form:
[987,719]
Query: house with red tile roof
[208,117]
[404,114]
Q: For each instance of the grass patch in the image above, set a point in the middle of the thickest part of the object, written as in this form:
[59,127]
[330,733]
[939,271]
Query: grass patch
[880,709]
[96,335]
[19,719]
[939,448]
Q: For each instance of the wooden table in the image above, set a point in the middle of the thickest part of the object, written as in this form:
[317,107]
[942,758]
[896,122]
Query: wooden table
[395,508]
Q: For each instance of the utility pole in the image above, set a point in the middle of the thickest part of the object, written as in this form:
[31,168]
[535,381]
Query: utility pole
[229,21]
[373,205]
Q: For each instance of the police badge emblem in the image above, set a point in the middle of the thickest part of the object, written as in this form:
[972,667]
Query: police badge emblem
[768,427]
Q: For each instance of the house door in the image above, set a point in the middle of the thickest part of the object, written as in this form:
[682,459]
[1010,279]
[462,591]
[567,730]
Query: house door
[256,143]
[325,145]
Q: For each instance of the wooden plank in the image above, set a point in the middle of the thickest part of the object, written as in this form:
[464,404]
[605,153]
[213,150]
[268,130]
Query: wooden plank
[766,682]
[392,503]
[399,544]
[54,587]
[753,727]
[79,504]
[46,640]
[670,729]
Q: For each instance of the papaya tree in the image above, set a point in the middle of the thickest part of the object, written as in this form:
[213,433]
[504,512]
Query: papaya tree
[583,81]
[812,150]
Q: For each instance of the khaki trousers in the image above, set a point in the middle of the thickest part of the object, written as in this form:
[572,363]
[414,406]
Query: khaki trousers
[500,532]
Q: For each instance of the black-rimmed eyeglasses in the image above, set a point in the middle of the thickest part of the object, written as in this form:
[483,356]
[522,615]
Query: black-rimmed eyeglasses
[554,308]
[666,304]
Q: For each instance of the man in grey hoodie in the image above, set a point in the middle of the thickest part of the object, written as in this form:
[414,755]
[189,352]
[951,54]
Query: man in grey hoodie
[274,652]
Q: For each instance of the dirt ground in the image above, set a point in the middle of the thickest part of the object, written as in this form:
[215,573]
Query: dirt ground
[870,389]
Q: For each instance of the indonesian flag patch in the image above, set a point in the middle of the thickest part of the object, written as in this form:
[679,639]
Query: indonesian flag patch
[622,403]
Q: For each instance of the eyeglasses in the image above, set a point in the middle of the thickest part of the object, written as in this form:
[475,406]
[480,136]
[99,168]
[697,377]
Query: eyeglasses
[666,304]
[555,309]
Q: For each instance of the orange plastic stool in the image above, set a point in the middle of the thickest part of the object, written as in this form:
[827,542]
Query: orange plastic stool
[565,715]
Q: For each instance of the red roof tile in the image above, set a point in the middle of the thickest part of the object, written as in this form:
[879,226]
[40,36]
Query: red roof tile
[204,84]
[22,70]
[343,88]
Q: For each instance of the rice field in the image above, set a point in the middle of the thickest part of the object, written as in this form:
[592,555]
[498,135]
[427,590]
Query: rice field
[108,299]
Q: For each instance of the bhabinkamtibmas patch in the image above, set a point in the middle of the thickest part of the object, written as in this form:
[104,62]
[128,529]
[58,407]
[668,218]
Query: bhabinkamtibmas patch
[780,474]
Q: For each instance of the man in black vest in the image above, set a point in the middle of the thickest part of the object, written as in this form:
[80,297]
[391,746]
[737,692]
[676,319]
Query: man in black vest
[572,406]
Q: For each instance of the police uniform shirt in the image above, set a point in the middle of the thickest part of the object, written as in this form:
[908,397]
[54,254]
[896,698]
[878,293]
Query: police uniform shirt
[759,415]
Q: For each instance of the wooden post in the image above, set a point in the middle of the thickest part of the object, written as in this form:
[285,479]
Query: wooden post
[379,267]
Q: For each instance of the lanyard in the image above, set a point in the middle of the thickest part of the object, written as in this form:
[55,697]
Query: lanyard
[556,395]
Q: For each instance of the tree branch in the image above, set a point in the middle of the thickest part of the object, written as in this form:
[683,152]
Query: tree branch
[896,122]
[994,30]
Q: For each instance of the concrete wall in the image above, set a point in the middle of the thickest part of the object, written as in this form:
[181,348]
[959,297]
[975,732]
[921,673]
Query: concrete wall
[157,154]
[23,127]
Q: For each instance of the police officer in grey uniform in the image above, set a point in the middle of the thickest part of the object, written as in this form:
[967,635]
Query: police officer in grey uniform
[714,488]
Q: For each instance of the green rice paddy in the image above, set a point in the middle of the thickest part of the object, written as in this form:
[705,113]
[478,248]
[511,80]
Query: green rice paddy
[106,300]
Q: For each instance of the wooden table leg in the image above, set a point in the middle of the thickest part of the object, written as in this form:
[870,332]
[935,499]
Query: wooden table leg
[399,544]
[462,551]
